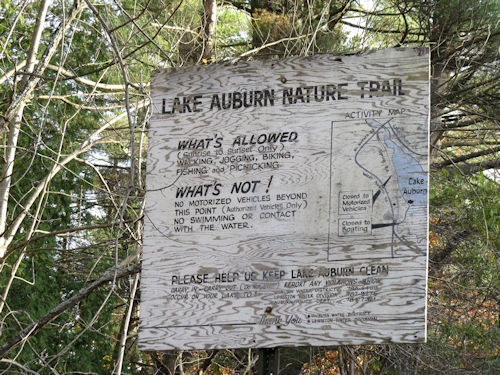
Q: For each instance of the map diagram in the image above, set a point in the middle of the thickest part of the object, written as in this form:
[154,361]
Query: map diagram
[379,207]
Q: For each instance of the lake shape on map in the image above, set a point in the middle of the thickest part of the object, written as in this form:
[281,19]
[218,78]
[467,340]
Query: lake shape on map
[412,179]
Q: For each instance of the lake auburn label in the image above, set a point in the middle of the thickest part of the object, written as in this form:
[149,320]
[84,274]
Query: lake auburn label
[287,203]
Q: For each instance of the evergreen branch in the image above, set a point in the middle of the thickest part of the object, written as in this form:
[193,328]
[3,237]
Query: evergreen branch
[10,232]
[58,232]
[470,42]
[111,274]
[380,13]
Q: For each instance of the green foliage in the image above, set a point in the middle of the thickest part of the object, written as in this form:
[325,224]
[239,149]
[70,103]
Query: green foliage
[465,276]
[76,236]
[232,32]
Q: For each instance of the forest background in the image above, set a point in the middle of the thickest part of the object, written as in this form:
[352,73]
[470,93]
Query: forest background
[74,105]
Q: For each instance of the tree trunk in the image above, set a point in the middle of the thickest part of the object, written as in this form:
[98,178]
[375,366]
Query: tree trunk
[15,124]
[209,24]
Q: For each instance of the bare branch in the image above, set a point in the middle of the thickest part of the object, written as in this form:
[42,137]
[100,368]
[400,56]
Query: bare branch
[382,31]
[255,50]
[14,117]
[468,169]
[472,155]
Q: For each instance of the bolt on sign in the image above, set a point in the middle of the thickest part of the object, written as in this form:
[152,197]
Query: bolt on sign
[286,203]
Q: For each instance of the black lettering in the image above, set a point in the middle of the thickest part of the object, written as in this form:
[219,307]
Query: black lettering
[269,97]
[330,92]
[308,93]
[185,105]
[217,189]
[249,96]
[177,105]
[244,187]
[226,105]
[400,86]
[288,94]
[257,98]
[374,86]
[215,102]
[316,96]
[196,103]
[163,106]
[341,91]
[362,85]
[386,87]
[299,95]
[237,103]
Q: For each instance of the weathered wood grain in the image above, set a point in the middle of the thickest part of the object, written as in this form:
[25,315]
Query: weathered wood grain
[318,237]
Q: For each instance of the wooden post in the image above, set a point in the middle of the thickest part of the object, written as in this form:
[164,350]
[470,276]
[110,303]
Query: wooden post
[269,362]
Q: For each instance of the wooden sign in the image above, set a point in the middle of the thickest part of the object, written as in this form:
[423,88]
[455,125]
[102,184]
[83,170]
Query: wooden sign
[286,203]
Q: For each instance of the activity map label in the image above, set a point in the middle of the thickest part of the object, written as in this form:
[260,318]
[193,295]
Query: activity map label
[286,203]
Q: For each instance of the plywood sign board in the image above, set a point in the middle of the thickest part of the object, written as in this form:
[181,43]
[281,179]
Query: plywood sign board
[286,203]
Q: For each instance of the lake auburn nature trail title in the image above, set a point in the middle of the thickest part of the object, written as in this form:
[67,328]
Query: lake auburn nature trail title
[267,97]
